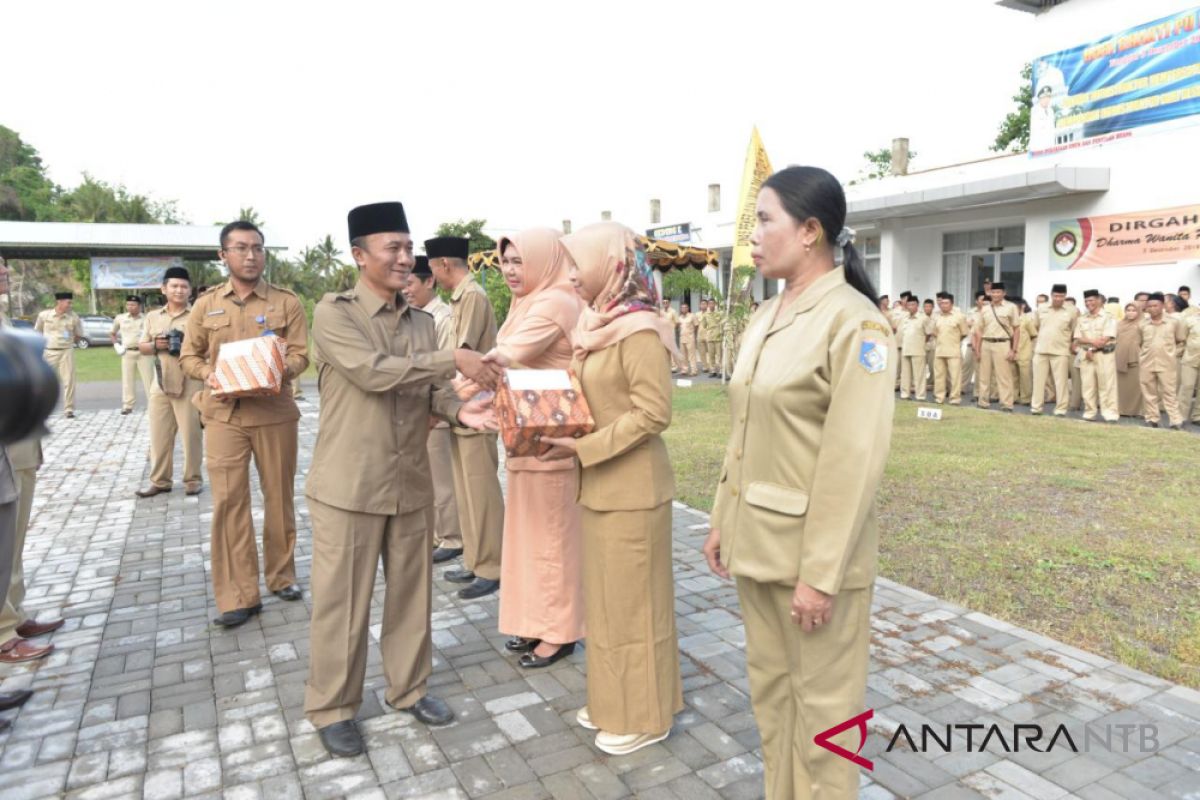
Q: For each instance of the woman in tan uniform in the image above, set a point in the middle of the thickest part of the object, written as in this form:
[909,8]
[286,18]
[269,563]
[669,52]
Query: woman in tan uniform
[623,347]
[541,582]
[794,517]
[1129,386]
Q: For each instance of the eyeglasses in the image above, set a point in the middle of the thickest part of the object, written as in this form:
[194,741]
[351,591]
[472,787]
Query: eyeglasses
[242,249]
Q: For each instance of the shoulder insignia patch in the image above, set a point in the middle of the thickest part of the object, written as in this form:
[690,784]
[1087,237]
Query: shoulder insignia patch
[873,356]
[869,325]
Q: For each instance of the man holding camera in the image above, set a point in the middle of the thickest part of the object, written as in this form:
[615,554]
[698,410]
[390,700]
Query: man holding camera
[170,404]
[127,330]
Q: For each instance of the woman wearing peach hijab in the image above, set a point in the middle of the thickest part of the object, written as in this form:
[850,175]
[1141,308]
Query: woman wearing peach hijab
[623,347]
[541,582]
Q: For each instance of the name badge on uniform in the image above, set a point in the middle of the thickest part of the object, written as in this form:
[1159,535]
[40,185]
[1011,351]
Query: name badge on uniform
[215,312]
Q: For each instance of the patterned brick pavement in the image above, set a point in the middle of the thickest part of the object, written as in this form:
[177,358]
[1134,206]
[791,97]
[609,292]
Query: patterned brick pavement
[145,698]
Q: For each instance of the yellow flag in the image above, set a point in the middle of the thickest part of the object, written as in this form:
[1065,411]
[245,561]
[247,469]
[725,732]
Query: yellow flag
[757,170]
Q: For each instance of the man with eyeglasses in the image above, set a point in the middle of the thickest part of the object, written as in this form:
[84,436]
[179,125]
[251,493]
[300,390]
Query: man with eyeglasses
[243,307]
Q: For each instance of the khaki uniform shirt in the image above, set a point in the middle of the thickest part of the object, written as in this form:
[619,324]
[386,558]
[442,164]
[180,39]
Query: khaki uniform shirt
[381,376]
[687,328]
[625,462]
[812,425]
[1055,328]
[950,330]
[129,329]
[474,326]
[1089,326]
[60,330]
[1159,344]
[999,322]
[219,316]
[1191,350]
[913,333]
[1029,335]
[443,322]
[171,379]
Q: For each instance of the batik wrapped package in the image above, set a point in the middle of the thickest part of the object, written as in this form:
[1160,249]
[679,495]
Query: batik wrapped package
[533,403]
[251,367]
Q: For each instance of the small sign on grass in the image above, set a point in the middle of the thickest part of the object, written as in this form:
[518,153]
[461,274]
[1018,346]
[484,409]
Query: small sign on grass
[929,413]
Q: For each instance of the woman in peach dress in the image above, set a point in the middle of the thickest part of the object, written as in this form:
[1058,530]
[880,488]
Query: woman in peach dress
[541,580]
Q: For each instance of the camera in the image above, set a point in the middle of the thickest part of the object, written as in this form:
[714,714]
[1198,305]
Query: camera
[28,385]
[174,342]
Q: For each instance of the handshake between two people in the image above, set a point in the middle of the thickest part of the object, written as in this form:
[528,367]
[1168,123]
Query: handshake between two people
[477,389]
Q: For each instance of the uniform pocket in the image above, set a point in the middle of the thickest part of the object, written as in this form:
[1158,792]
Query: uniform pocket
[217,323]
[781,499]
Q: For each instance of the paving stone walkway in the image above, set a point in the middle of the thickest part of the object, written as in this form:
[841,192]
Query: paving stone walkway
[145,698]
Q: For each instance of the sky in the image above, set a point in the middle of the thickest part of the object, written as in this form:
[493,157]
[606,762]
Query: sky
[523,113]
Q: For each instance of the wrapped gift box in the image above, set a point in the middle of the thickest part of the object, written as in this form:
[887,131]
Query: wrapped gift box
[532,403]
[249,367]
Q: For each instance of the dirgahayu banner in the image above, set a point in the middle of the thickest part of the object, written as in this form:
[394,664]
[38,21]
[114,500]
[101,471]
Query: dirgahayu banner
[1126,240]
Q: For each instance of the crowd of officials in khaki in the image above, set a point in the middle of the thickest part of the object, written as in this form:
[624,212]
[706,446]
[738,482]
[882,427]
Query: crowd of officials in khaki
[1141,359]
[405,464]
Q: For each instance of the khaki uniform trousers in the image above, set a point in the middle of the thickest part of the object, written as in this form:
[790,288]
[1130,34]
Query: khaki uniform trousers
[12,613]
[228,447]
[912,376]
[702,353]
[688,351]
[1158,388]
[133,363]
[1189,407]
[346,548]
[1098,382]
[63,361]
[446,531]
[804,683]
[1024,382]
[480,502]
[947,371]
[633,680]
[1076,401]
[968,363]
[1056,367]
[170,416]
[994,365]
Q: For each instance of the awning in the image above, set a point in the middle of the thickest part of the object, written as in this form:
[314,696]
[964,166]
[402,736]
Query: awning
[62,240]
[663,256]
[950,190]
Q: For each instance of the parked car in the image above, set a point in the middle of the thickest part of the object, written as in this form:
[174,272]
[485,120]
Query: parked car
[96,330]
[21,323]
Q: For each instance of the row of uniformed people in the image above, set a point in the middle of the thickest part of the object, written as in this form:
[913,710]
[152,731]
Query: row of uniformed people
[705,337]
[1053,347]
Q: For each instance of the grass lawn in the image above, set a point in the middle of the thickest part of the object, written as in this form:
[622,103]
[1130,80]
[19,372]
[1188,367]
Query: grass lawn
[103,364]
[1086,533]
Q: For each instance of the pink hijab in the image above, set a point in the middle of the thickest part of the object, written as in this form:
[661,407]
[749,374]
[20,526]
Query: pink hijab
[546,290]
[624,297]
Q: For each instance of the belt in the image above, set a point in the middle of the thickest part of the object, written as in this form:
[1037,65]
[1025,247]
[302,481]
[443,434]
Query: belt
[990,339]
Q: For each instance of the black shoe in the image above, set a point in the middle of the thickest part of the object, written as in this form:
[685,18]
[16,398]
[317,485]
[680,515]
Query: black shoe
[480,588]
[14,699]
[1150,424]
[289,593]
[342,739]
[231,619]
[431,710]
[442,554]
[519,644]
[126,411]
[459,575]
[532,660]
[70,415]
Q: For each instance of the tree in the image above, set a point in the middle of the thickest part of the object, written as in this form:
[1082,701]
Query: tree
[679,282]
[879,165]
[1014,130]
[493,283]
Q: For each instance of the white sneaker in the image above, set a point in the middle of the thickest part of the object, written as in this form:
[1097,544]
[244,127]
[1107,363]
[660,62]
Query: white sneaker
[584,720]
[622,744]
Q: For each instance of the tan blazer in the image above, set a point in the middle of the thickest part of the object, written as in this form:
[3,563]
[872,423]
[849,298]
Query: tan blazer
[811,399]
[625,462]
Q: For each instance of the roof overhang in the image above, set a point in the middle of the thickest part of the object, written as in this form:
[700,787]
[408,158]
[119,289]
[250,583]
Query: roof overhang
[1016,187]
[1030,6]
[64,240]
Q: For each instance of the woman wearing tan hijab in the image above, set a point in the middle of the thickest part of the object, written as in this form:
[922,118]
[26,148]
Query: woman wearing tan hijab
[1129,342]
[623,347]
[541,583]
